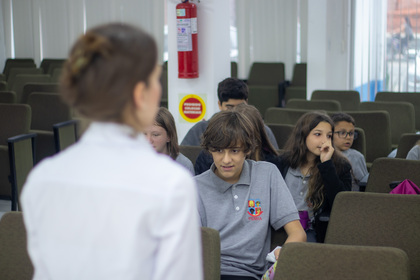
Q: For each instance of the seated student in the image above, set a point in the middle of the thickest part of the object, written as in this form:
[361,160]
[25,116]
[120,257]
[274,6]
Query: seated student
[231,92]
[344,136]
[163,137]
[314,172]
[414,153]
[243,199]
[264,150]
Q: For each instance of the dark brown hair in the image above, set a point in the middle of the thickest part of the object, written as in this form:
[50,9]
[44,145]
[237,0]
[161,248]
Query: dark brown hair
[260,135]
[104,66]
[296,150]
[165,120]
[228,129]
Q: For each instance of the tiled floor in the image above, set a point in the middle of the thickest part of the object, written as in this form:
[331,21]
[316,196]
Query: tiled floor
[5,206]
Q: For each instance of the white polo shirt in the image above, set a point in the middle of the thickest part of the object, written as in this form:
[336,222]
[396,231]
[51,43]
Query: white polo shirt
[110,207]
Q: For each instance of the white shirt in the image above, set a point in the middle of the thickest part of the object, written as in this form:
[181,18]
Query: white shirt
[110,207]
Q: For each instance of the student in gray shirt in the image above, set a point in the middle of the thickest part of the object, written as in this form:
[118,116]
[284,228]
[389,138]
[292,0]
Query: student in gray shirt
[414,153]
[242,198]
[344,136]
[230,92]
[163,137]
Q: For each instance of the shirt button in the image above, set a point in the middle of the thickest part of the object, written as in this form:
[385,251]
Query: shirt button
[301,193]
[235,196]
[237,208]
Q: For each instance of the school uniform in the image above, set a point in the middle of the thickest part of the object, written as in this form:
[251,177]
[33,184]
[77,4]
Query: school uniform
[334,182]
[414,153]
[358,164]
[110,207]
[185,162]
[244,213]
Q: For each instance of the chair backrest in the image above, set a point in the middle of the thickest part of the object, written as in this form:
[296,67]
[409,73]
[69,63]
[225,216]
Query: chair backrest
[56,74]
[266,73]
[22,79]
[401,115]
[46,62]
[387,170]
[377,128]
[407,141]
[327,261]
[3,85]
[8,97]
[65,134]
[164,84]
[191,152]
[17,62]
[327,105]
[299,75]
[263,97]
[281,132]
[22,160]
[349,99]
[292,92]
[15,119]
[376,219]
[14,259]
[24,70]
[234,69]
[38,87]
[210,240]
[285,115]
[360,142]
[47,110]
[412,97]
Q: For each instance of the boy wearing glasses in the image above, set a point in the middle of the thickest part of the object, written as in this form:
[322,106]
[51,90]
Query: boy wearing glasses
[344,136]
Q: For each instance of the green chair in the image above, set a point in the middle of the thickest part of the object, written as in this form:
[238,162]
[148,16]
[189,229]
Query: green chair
[22,159]
[301,260]
[294,93]
[234,69]
[191,152]
[412,97]
[407,141]
[263,97]
[3,85]
[17,63]
[377,128]
[47,62]
[7,96]
[378,219]
[327,105]
[360,142]
[349,99]
[210,241]
[38,87]
[18,71]
[15,119]
[14,258]
[22,79]
[401,115]
[266,73]
[285,115]
[164,84]
[48,109]
[281,132]
[385,171]
[65,134]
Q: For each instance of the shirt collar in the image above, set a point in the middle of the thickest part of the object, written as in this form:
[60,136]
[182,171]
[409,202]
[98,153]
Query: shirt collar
[223,186]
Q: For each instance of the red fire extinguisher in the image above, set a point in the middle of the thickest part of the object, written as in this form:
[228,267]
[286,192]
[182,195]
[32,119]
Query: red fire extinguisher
[186,21]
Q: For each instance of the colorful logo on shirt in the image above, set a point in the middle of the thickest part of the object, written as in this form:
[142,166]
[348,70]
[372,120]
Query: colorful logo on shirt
[254,209]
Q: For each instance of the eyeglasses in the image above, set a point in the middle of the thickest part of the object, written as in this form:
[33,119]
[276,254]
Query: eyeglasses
[343,134]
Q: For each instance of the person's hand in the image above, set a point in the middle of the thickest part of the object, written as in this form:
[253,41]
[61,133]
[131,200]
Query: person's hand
[327,151]
[276,253]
